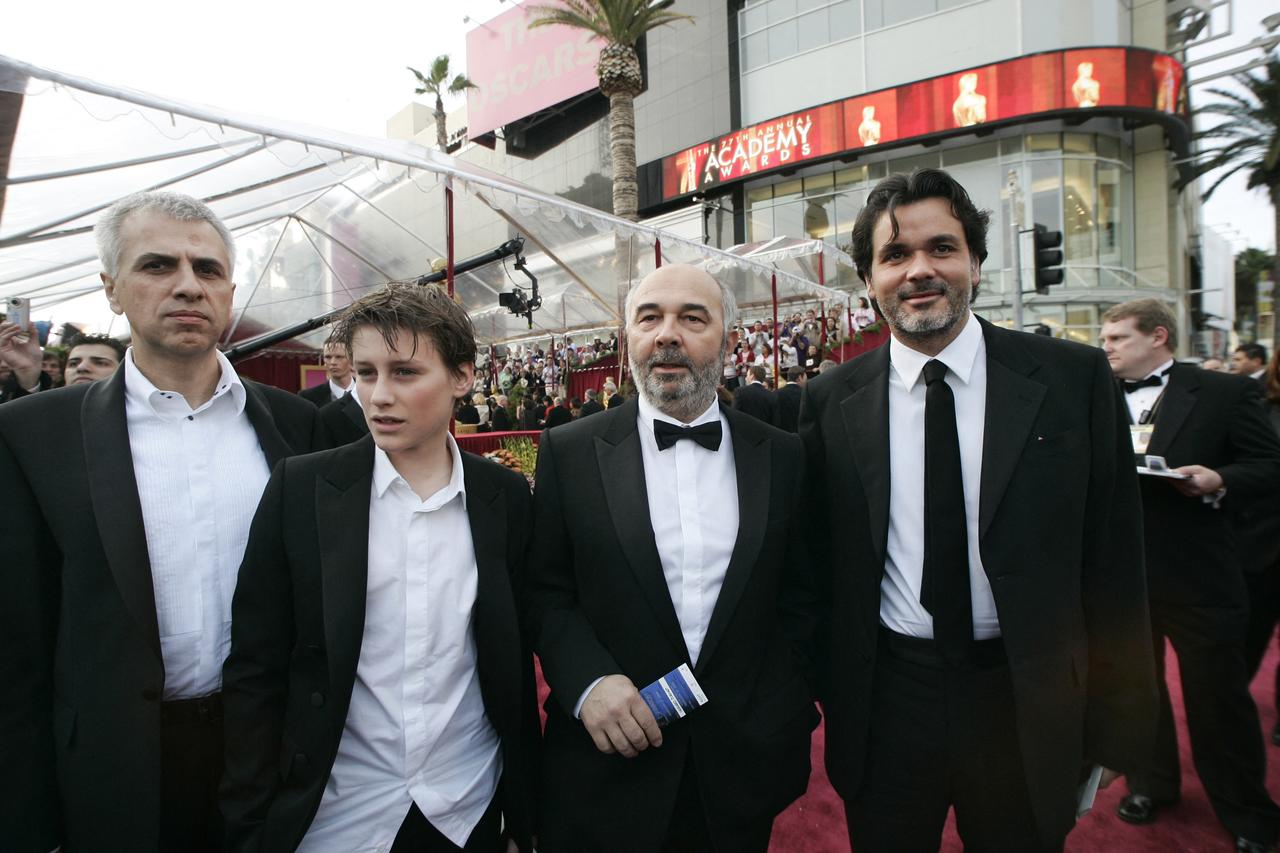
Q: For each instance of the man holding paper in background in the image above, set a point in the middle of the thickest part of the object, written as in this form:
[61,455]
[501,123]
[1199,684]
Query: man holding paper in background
[1211,428]
[665,535]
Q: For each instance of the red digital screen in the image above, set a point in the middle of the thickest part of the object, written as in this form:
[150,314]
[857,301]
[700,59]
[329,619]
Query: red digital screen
[1077,79]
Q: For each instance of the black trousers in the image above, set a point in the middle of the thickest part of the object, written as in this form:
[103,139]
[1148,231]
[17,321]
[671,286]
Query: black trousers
[1264,613]
[190,770]
[1226,742]
[417,835]
[942,737]
[687,832]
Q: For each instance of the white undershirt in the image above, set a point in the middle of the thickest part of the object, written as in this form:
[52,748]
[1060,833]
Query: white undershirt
[1144,399]
[200,473]
[416,730]
[693,506]
[966,358]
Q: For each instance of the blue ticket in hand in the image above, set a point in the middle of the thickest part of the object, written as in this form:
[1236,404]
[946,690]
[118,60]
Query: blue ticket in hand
[674,695]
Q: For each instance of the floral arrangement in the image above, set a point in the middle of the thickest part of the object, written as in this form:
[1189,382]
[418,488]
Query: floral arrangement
[518,454]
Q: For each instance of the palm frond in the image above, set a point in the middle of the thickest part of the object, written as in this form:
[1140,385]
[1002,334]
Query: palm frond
[616,21]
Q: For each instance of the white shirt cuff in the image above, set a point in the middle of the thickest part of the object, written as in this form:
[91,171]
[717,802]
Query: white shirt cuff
[577,709]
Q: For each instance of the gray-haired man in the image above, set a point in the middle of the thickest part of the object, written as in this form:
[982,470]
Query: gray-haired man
[127,509]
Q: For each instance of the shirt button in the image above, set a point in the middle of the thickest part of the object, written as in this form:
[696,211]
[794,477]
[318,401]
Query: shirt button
[317,699]
[191,417]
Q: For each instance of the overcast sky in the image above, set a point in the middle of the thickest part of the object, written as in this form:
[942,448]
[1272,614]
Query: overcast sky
[346,70]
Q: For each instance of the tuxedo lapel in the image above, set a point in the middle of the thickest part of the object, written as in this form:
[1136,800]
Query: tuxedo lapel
[1013,400]
[865,413]
[1176,402]
[273,445]
[352,410]
[754,469]
[494,610]
[342,526]
[113,491]
[621,469]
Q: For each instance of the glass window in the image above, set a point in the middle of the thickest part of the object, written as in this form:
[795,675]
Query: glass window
[1077,143]
[1111,240]
[969,154]
[759,195]
[1046,193]
[754,17]
[1079,236]
[820,217]
[759,224]
[920,161]
[1109,147]
[846,20]
[780,10]
[850,177]
[1012,145]
[788,220]
[755,50]
[782,40]
[812,30]
[848,206]
[1044,141]
[787,190]
[818,184]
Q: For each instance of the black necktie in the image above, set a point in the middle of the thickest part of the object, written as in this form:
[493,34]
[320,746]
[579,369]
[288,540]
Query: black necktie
[944,588]
[1131,385]
[667,434]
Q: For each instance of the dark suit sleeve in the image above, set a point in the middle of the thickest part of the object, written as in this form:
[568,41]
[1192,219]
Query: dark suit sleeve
[798,597]
[572,656]
[1121,701]
[29,813]
[813,529]
[255,676]
[522,826]
[1254,470]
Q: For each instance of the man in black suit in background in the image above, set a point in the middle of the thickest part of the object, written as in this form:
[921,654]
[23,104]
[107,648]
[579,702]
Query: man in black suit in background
[592,405]
[666,533]
[788,399]
[341,379]
[375,638]
[126,511]
[755,398]
[343,420]
[988,635]
[1250,359]
[1212,428]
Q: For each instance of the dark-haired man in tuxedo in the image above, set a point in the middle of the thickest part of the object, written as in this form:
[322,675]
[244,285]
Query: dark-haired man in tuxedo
[127,504]
[1211,428]
[666,534]
[975,503]
[755,398]
[340,378]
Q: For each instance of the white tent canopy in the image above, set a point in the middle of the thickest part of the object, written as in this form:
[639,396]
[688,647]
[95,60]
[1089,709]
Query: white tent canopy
[320,217]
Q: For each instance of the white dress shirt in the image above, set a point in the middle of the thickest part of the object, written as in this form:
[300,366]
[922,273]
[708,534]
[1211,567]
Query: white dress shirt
[338,391]
[200,473]
[1145,399]
[966,359]
[693,507]
[416,729]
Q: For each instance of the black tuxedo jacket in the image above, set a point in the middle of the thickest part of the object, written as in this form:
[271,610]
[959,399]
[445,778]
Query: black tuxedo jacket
[756,400]
[79,642]
[600,605]
[297,626]
[1061,541]
[343,421]
[318,395]
[788,409]
[591,407]
[499,419]
[1257,521]
[1216,420]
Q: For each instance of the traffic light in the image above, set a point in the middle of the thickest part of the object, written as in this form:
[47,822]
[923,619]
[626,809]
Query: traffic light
[1048,248]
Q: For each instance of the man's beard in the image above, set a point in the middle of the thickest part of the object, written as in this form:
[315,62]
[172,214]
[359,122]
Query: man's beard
[681,396]
[918,326]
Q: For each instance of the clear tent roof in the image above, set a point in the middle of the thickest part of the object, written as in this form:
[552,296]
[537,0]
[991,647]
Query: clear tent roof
[320,217]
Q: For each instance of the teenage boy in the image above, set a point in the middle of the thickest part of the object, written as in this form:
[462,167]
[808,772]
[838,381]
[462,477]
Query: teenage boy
[378,695]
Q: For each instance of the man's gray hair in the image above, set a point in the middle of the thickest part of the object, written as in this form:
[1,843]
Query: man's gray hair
[184,208]
[728,305]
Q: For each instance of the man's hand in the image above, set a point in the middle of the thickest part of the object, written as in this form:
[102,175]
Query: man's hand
[1204,481]
[1108,776]
[618,719]
[23,356]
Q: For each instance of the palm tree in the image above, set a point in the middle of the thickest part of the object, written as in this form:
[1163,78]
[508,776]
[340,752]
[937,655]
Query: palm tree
[434,84]
[620,23]
[1247,138]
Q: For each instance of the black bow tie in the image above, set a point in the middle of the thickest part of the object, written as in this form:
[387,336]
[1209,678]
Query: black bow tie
[1131,385]
[667,434]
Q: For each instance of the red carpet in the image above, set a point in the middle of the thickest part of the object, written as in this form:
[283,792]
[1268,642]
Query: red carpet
[815,823]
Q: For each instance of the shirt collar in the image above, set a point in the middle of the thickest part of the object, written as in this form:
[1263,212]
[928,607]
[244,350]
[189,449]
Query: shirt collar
[337,390]
[1162,371]
[385,476]
[650,413]
[141,391]
[959,356]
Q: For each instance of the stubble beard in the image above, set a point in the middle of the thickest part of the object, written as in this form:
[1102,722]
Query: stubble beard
[924,327]
[683,396]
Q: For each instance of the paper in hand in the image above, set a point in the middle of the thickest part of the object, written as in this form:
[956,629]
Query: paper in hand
[674,695]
